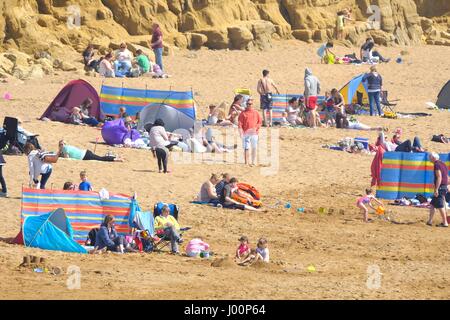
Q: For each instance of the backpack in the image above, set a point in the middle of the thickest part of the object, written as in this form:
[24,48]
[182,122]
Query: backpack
[90,241]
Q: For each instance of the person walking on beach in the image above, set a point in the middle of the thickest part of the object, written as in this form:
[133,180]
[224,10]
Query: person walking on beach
[374,85]
[440,190]
[265,89]
[157,45]
[249,123]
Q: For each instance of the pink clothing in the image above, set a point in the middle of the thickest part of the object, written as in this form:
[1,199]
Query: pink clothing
[243,248]
[195,246]
[375,168]
[365,199]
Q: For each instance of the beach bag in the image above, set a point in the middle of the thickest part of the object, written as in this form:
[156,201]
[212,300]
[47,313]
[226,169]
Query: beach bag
[329,59]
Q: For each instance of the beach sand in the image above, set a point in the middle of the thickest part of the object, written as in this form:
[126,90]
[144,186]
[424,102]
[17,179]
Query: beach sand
[411,256]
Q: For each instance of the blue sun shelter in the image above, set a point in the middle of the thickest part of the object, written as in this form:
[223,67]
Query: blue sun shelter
[51,231]
[355,91]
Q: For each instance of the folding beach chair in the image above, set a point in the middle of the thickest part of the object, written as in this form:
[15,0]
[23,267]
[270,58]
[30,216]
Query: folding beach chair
[386,103]
[11,129]
[174,211]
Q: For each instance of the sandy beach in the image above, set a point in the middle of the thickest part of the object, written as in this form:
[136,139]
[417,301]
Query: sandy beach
[343,250]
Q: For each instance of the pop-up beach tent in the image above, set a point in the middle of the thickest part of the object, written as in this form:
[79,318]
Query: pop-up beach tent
[443,100]
[173,118]
[354,88]
[135,100]
[73,95]
[50,231]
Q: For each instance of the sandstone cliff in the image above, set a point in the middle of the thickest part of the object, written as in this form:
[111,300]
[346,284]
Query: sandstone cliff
[36,33]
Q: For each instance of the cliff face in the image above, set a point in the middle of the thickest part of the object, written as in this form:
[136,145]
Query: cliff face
[54,28]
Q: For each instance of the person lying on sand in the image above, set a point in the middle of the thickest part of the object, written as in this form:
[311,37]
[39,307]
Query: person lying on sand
[67,151]
[396,145]
[352,123]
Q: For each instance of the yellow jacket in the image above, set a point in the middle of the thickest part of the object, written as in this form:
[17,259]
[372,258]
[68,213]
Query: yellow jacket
[160,222]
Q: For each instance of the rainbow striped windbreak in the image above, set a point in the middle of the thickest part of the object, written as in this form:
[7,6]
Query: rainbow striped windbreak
[406,174]
[84,209]
[134,100]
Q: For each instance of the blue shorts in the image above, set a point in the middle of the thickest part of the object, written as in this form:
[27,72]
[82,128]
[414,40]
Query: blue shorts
[439,201]
[266,104]
[250,140]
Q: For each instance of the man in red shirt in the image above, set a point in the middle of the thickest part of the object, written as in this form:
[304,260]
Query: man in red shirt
[157,45]
[440,190]
[249,122]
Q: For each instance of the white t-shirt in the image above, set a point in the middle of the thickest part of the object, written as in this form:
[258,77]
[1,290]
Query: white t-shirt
[105,68]
[36,164]
[158,137]
[124,55]
[292,114]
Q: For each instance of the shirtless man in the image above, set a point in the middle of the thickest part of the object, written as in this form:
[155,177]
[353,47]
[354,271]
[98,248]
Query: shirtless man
[265,89]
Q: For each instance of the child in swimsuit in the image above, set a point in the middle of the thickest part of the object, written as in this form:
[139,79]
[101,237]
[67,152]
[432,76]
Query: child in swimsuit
[243,250]
[365,201]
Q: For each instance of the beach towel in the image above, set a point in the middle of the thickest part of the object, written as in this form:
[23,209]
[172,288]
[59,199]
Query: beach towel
[375,168]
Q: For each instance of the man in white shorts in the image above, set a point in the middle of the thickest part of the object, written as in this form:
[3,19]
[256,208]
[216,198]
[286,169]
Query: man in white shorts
[249,122]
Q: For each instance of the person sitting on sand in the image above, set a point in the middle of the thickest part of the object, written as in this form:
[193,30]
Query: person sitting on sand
[365,201]
[76,116]
[123,60]
[88,58]
[71,152]
[243,250]
[107,237]
[143,62]
[367,53]
[236,109]
[208,191]
[228,202]
[293,111]
[226,177]
[85,109]
[105,68]
[328,108]
[168,227]
[122,113]
[339,107]
[261,253]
